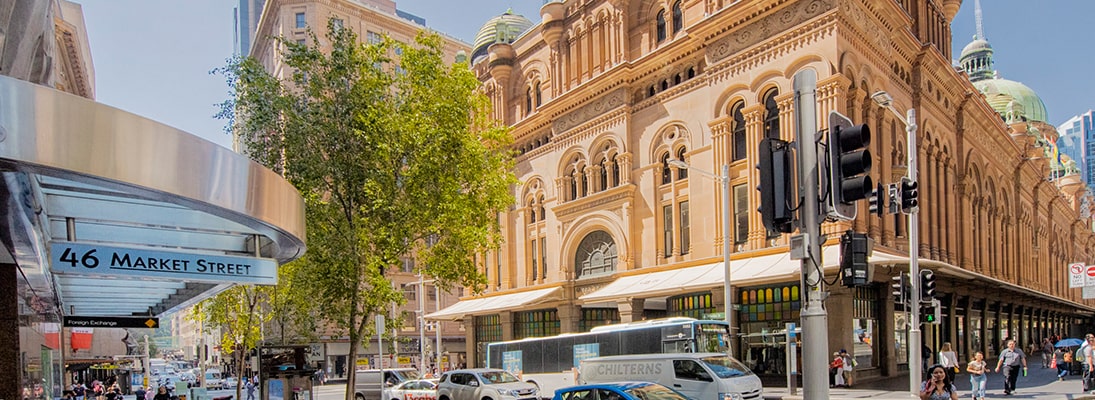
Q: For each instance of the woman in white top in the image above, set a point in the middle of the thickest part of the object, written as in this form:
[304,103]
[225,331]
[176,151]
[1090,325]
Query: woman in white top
[949,360]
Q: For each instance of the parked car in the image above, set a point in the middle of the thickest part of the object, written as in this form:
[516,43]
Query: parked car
[231,382]
[415,389]
[484,384]
[619,391]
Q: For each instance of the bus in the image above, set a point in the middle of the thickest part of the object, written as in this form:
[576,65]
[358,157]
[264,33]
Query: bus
[552,362]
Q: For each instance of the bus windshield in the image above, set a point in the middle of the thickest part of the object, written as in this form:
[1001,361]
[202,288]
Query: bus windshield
[712,338]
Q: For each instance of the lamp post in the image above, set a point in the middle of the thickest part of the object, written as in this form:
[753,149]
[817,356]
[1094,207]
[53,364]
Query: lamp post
[884,100]
[725,181]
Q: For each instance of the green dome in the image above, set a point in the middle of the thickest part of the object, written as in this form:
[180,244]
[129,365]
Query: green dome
[503,28]
[1000,92]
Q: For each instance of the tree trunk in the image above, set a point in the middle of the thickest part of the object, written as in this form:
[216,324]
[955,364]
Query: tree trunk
[240,356]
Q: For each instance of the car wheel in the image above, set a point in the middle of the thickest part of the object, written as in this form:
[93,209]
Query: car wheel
[359,397]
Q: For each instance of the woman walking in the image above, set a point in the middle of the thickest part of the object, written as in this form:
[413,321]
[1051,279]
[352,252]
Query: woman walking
[949,360]
[976,368]
[938,386]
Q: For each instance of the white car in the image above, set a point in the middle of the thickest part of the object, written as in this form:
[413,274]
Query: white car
[415,389]
[231,382]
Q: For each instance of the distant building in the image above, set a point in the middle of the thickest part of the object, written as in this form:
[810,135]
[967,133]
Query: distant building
[1078,142]
[247,20]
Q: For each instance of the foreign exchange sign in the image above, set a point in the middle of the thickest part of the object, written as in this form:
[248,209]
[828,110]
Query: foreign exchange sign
[111,322]
[115,261]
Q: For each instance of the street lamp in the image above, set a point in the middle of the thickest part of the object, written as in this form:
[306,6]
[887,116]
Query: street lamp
[884,100]
[725,181]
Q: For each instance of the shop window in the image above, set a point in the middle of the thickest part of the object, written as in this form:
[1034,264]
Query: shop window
[777,303]
[594,317]
[539,323]
[698,306]
[488,329]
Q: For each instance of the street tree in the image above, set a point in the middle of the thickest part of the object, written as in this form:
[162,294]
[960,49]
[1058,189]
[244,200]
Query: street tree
[397,158]
[237,313]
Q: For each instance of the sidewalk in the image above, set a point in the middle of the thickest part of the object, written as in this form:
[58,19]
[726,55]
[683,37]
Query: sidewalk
[1040,383]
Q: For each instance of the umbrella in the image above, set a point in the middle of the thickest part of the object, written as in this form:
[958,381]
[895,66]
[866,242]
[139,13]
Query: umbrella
[1069,342]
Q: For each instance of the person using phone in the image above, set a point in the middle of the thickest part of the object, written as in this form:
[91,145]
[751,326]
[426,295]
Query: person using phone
[938,386]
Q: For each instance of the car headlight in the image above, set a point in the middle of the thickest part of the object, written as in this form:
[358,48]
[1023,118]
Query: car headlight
[512,392]
[731,396]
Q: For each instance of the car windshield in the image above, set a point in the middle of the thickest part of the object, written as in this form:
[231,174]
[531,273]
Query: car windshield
[726,367]
[494,377]
[655,392]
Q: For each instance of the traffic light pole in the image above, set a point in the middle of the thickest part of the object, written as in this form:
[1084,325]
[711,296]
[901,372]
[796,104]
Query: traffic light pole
[915,340]
[815,333]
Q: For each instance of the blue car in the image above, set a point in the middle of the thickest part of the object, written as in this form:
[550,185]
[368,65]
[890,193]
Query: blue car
[619,391]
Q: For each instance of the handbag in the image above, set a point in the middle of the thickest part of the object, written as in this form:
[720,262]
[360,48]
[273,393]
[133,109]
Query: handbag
[956,369]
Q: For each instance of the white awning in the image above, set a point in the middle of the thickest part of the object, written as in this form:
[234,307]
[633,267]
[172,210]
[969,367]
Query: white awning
[488,305]
[753,270]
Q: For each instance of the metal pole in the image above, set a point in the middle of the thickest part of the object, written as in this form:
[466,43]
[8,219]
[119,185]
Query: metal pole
[915,340]
[815,335]
[145,364]
[437,328]
[728,298]
[421,326]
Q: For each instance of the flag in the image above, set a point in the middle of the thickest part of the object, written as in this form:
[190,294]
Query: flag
[81,338]
[52,333]
[1057,153]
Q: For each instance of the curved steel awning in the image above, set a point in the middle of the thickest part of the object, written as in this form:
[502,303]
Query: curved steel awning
[77,171]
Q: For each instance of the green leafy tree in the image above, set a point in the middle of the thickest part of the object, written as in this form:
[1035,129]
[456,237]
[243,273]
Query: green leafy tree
[237,313]
[396,157]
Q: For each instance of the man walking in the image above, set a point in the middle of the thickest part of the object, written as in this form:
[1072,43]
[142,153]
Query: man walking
[1084,357]
[250,389]
[1011,358]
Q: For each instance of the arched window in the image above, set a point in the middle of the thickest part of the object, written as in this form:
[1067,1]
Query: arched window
[573,185]
[677,18]
[528,101]
[540,206]
[739,132]
[666,177]
[531,211]
[691,72]
[615,172]
[682,173]
[771,115]
[604,173]
[665,84]
[661,26]
[651,91]
[539,95]
[677,79]
[585,182]
[596,255]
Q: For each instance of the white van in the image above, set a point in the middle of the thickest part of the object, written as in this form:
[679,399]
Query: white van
[697,375]
[368,385]
[214,379]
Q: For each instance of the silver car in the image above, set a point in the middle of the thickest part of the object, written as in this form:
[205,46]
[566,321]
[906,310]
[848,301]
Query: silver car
[484,384]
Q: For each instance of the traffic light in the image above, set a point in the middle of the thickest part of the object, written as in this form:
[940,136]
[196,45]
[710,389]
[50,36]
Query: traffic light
[854,249]
[776,184]
[909,195]
[900,287]
[877,201]
[849,163]
[930,313]
[927,286]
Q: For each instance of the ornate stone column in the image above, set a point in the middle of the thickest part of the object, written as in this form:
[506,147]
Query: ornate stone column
[754,132]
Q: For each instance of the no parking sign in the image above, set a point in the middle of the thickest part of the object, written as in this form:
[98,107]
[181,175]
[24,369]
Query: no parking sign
[1076,275]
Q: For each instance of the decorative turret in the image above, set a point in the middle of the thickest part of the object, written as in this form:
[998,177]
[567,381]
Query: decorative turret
[501,61]
[551,28]
[950,9]
[504,28]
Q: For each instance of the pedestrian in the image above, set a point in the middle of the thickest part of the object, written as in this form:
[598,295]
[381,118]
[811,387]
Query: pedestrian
[926,357]
[1047,353]
[1060,363]
[140,393]
[937,386]
[949,360]
[79,390]
[849,367]
[250,389]
[978,379]
[161,394]
[1084,356]
[836,371]
[1011,358]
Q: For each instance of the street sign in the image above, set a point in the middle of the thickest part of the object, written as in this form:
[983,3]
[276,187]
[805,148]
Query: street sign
[1088,292]
[1089,280]
[1075,275]
[72,321]
[114,261]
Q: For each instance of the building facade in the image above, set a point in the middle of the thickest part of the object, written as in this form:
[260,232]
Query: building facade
[602,94]
[370,20]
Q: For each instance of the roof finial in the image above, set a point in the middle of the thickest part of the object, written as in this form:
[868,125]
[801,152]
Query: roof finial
[977,15]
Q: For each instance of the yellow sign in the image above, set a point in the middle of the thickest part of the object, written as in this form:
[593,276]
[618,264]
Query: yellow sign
[404,360]
[363,361]
[150,323]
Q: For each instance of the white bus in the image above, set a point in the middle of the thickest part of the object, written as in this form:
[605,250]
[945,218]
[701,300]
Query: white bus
[552,362]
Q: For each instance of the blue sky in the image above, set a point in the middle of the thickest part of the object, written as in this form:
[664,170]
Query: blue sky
[153,57]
